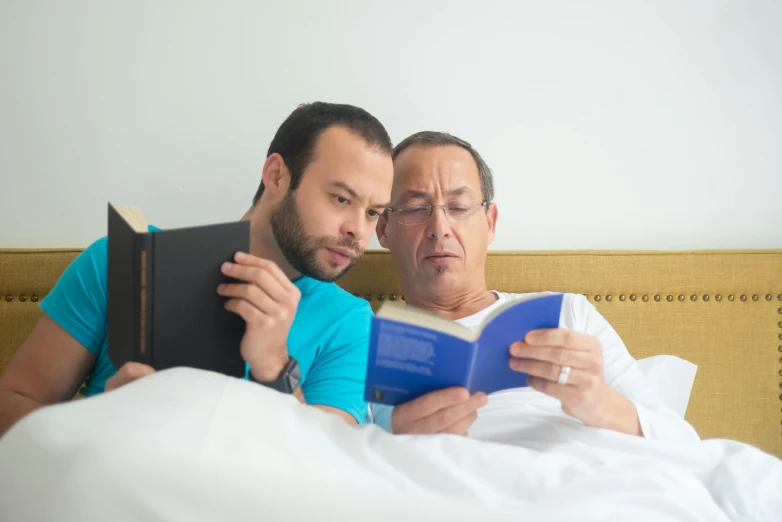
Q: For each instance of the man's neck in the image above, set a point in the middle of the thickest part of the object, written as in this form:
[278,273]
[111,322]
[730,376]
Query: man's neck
[264,245]
[456,305]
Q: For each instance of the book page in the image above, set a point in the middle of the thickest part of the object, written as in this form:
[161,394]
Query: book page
[134,218]
[425,319]
[491,371]
[510,304]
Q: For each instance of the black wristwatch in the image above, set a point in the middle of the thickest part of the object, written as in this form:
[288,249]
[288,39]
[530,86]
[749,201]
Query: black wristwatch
[289,378]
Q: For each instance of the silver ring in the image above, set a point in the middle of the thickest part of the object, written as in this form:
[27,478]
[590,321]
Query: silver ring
[564,373]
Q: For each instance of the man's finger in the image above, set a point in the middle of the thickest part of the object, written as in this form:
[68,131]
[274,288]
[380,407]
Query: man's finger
[433,401]
[562,392]
[561,337]
[549,371]
[452,415]
[554,354]
[259,277]
[270,266]
[461,426]
[245,310]
[252,294]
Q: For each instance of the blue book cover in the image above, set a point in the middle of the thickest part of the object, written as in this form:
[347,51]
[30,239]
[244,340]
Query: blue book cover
[413,352]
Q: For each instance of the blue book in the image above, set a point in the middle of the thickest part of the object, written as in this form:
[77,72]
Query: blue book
[413,352]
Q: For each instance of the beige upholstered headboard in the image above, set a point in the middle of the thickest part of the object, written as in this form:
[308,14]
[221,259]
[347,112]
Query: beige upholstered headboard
[721,310]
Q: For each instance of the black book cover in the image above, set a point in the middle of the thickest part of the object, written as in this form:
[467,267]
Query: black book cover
[163,306]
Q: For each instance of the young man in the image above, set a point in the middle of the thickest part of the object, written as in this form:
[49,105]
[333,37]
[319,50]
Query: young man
[326,180]
[438,229]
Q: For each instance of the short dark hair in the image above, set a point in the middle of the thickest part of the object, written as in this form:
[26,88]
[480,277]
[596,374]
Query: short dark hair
[442,139]
[295,139]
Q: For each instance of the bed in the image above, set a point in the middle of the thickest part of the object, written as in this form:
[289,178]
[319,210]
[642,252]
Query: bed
[721,310]
[180,444]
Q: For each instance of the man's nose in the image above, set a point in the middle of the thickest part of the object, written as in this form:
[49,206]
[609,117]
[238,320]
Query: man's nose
[438,225]
[355,227]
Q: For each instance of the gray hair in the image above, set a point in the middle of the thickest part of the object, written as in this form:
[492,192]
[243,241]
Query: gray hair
[443,139]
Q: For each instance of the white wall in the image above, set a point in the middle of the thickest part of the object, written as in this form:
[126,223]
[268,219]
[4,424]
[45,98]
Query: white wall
[609,124]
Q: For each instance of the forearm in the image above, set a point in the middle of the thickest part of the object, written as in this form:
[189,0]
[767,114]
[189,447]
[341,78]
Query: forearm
[656,419]
[620,414]
[14,406]
[665,425]
[299,394]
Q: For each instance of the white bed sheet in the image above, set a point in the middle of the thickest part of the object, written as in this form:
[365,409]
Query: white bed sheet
[191,445]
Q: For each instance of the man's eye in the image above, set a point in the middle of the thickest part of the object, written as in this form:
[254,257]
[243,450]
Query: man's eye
[341,200]
[414,210]
[457,209]
[373,214]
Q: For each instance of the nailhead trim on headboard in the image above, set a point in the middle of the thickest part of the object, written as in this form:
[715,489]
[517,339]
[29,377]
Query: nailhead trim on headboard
[608,297]
[22,298]
[682,297]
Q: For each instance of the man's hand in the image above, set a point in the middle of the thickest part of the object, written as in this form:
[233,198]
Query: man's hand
[451,410]
[585,396]
[131,371]
[267,301]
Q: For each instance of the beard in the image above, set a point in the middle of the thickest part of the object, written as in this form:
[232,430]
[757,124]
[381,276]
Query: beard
[301,249]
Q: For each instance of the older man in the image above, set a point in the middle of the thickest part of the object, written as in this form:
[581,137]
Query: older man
[438,229]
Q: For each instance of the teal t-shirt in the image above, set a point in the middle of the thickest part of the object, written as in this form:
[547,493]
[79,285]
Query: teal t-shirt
[329,336]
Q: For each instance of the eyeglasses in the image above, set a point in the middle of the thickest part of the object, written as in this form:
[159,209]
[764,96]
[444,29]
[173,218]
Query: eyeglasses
[420,214]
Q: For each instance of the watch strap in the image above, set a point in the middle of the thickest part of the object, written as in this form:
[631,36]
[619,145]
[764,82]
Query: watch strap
[289,378]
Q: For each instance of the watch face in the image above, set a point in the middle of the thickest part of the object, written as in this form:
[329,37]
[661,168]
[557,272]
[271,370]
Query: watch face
[293,375]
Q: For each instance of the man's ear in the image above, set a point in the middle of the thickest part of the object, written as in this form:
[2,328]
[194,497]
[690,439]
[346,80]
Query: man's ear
[382,223]
[275,175]
[491,220]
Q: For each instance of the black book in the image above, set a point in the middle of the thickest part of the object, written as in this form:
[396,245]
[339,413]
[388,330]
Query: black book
[163,305]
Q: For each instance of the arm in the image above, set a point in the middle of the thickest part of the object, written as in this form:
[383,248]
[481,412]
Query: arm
[65,346]
[62,349]
[335,381]
[267,301]
[347,417]
[450,410]
[48,368]
[328,409]
[604,389]
[655,419]
[584,394]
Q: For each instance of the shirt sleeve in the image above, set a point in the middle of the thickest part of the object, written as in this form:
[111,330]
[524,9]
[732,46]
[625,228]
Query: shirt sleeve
[381,415]
[657,420]
[337,375]
[78,301]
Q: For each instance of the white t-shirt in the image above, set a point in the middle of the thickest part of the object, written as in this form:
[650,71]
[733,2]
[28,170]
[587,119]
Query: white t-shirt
[621,373]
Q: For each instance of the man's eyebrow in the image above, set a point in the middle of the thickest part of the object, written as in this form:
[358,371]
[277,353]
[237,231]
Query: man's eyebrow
[344,186]
[464,189]
[409,194]
[347,188]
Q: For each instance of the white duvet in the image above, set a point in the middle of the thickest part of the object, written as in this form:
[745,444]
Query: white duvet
[196,446]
